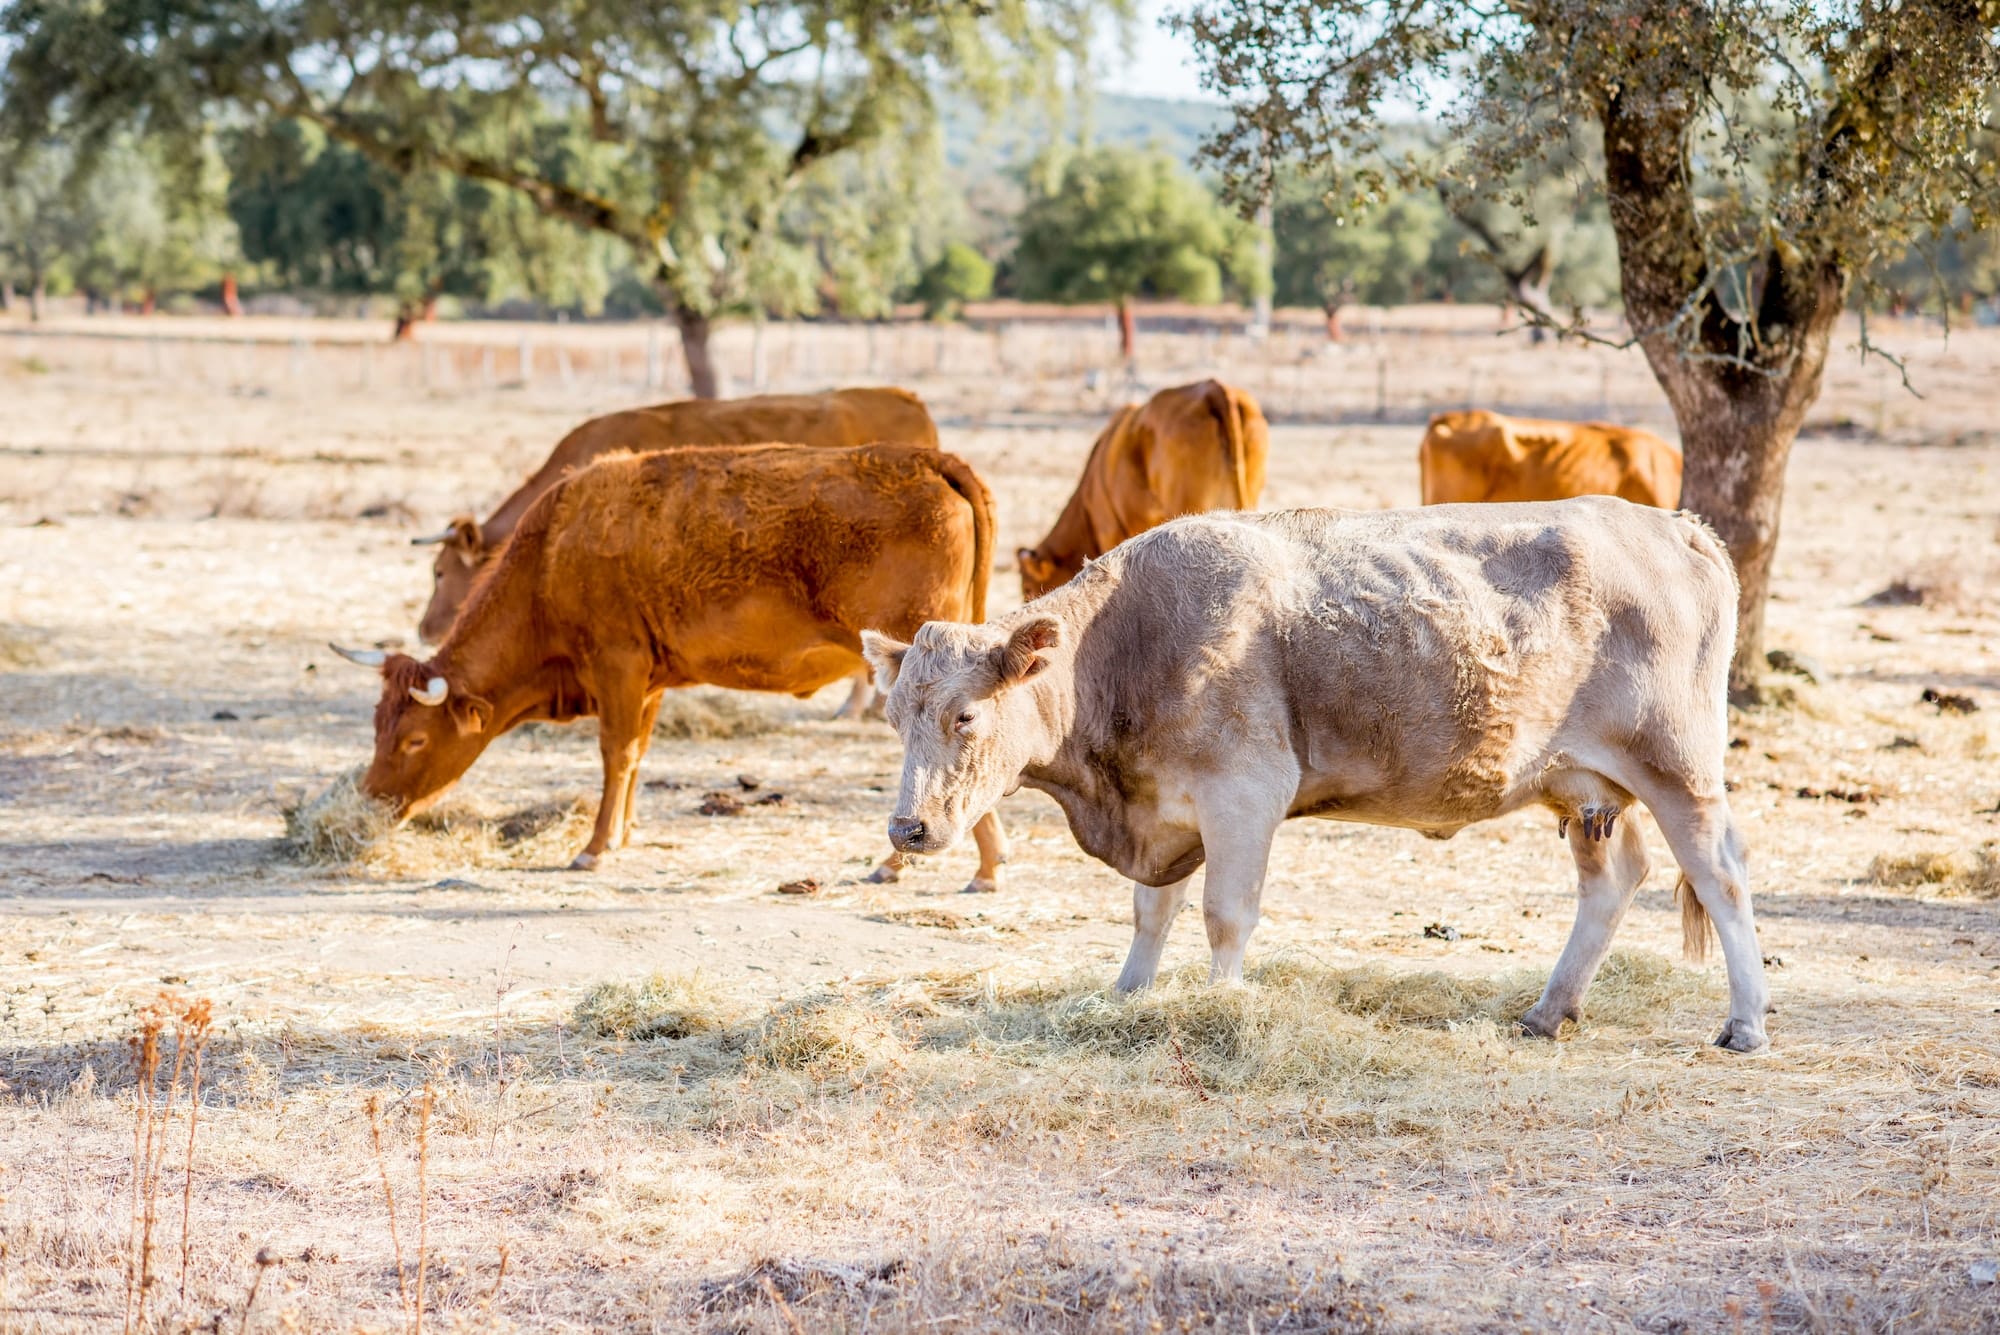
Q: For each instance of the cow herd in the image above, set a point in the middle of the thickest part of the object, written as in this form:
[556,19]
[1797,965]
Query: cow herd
[1186,673]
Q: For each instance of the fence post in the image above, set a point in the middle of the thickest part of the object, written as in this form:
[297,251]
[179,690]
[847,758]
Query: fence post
[527,362]
[486,365]
[1381,387]
[564,370]
[652,356]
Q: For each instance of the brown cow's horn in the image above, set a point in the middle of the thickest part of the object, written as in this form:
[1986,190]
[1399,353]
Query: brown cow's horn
[368,658]
[433,540]
[431,692]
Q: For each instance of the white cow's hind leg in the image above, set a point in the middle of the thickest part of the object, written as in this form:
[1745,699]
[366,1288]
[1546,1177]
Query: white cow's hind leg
[1153,910]
[1609,870]
[1238,822]
[1709,848]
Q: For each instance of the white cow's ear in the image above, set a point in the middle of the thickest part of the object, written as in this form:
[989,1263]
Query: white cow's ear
[885,654]
[1023,654]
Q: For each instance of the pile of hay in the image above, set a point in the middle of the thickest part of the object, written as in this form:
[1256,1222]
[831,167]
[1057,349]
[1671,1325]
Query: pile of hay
[1975,873]
[662,1006]
[341,828]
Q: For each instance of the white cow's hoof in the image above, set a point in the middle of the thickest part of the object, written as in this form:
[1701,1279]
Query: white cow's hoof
[1740,1036]
[1545,1023]
[981,885]
[583,862]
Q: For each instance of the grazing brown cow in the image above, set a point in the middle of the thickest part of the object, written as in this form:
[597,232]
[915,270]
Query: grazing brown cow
[840,417]
[752,567]
[1482,456]
[1194,448]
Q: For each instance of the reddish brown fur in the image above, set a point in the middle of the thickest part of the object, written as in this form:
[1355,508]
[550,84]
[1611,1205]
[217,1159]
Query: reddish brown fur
[1482,456]
[754,567]
[839,417]
[1189,449]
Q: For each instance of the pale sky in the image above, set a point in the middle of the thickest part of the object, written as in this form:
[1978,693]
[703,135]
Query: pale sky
[1162,63]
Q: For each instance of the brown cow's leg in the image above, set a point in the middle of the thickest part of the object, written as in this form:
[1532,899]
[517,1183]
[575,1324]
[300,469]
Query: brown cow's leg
[861,699]
[890,870]
[992,841]
[621,742]
[647,719]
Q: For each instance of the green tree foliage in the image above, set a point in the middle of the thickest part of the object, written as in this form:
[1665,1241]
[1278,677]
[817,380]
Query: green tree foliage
[1380,256]
[699,121]
[1119,223]
[960,275]
[1758,161]
[129,223]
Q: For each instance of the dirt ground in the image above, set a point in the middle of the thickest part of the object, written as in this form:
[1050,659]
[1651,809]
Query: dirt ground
[666,1095]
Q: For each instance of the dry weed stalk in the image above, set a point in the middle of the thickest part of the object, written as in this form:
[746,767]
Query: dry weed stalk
[190,1022]
[423,1202]
[412,1303]
[264,1262]
[389,1200]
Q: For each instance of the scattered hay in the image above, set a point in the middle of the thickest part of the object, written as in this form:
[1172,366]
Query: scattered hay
[940,918]
[663,1006]
[22,647]
[1975,873]
[700,714]
[337,827]
[828,1035]
[343,829]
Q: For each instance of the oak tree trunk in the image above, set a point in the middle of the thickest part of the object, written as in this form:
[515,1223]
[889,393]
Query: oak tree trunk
[1334,333]
[1128,329]
[1739,380]
[38,293]
[695,328]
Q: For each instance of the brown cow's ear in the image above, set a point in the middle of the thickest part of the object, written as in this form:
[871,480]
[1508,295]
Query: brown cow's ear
[1023,655]
[471,713]
[464,538]
[885,654]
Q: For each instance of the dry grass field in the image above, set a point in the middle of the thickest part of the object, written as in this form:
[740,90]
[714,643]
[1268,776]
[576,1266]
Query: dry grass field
[443,1083]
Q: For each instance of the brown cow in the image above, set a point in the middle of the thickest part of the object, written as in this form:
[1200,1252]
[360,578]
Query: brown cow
[840,417]
[751,567]
[1193,448]
[1482,456]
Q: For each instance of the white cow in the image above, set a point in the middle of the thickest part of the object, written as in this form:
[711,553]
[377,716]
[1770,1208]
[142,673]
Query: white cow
[1207,680]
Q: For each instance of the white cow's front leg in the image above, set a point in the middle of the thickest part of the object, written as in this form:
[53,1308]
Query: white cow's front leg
[1153,910]
[1238,822]
[1609,868]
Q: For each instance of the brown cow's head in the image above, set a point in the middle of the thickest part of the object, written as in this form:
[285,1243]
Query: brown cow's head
[426,734]
[1041,573]
[963,699]
[461,553]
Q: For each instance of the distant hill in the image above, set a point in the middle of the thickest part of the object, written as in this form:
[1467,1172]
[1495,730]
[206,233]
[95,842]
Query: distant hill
[978,147]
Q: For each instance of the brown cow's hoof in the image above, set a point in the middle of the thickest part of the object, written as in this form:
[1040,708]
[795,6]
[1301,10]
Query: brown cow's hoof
[883,875]
[981,885]
[1736,1036]
[583,862]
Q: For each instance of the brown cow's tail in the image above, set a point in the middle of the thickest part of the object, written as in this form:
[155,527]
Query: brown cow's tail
[1223,404]
[959,476]
[1695,926]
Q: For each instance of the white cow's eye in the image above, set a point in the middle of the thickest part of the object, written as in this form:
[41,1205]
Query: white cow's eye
[966,719]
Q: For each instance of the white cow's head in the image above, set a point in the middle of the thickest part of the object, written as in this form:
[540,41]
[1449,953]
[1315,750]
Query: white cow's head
[970,705]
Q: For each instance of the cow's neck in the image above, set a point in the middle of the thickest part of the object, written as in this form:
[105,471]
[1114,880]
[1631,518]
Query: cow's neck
[491,657]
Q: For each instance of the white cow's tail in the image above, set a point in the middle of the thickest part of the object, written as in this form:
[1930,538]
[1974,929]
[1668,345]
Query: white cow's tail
[1695,925]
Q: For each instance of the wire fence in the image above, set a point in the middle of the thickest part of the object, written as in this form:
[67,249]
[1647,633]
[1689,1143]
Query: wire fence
[1391,370]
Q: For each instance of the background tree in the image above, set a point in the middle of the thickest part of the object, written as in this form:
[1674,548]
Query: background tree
[156,223]
[1759,160]
[40,221]
[1379,256]
[701,119]
[958,276]
[1119,223]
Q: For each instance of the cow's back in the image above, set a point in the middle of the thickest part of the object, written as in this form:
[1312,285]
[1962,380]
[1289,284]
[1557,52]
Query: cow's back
[758,566]
[1421,660]
[1483,456]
